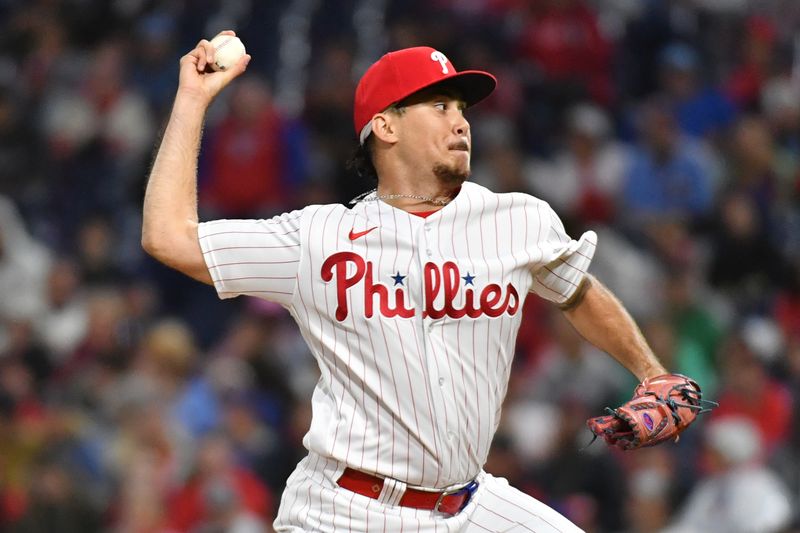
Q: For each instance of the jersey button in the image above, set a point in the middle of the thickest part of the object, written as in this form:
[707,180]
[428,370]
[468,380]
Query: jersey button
[441,382]
[429,252]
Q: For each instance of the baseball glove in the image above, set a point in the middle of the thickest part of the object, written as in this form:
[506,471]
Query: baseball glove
[661,408]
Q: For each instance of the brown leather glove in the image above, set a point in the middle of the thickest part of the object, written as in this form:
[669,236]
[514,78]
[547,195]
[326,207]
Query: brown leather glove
[661,408]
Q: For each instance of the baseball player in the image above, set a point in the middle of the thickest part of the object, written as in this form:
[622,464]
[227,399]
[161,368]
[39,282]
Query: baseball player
[410,301]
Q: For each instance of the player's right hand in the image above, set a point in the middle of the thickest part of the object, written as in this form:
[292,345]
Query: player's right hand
[196,77]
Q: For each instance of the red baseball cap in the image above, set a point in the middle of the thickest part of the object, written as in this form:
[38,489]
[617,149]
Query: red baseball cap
[400,74]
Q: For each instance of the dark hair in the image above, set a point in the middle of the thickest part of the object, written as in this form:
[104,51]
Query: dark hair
[361,162]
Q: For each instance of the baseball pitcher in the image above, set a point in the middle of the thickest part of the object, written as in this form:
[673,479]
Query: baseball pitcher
[410,301]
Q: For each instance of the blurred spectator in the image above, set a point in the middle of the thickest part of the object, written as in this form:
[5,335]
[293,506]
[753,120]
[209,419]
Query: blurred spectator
[258,376]
[697,328]
[329,116]
[220,493]
[582,484]
[787,457]
[650,491]
[572,368]
[504,461]
[563,41]
[584,180]
[156,66]
[24,264]
[19,165]
[226,514]
[48,60]
[668,176]
[701,110]
[744,262]
[97,132]
[255,340]
[631,272]
[24,437]
[787,305]
[169,359]
[753,167]
[62,326]
[124,122]
[748,391]
[564,58]
[141,505]
[248,170]
[780,101]
[502,168]
[740,495]
[57,503]
[756,64]
[257,446]
[102,345]
[144,450]
[684,358]
[25,347]
[96,252]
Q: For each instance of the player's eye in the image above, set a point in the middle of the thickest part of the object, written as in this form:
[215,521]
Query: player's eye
[440,106]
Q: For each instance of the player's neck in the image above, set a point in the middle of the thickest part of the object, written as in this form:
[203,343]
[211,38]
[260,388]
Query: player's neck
[417,195]
[410,187]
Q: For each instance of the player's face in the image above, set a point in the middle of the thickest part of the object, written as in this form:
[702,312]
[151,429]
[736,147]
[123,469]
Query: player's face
[435,135]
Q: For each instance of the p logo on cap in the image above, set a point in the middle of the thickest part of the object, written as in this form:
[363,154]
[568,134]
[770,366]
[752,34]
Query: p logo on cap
[397,75]
[441,58]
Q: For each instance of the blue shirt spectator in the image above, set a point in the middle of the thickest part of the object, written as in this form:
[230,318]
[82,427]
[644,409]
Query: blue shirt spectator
[668,175]
[701,110]
[676,185]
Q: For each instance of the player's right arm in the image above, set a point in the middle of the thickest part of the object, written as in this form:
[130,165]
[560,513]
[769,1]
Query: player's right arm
[170,221]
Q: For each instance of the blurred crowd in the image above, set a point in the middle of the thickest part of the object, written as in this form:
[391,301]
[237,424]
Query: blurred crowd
[132,400]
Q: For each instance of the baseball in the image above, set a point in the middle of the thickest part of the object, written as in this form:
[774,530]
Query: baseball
[228,50]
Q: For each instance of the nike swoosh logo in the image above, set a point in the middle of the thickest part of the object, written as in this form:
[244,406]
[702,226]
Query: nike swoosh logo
[356,234]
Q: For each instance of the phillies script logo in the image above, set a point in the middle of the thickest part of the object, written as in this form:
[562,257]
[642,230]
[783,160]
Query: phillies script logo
[446,279]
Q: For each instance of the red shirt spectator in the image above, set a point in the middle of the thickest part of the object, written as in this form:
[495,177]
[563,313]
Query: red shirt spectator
[246,166]
[190,507]
[744,85]
[748,391]
[218,486]
[564,40]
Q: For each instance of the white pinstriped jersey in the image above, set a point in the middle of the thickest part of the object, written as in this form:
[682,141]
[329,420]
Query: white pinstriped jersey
[412,320]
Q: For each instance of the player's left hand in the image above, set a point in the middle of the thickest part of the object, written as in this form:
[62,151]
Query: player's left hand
[661,408]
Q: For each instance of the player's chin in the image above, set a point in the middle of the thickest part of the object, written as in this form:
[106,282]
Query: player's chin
[455,174]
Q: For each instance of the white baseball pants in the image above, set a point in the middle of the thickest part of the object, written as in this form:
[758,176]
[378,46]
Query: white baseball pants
[313,501]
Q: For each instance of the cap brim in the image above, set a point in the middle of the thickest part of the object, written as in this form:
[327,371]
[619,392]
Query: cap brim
[472,85]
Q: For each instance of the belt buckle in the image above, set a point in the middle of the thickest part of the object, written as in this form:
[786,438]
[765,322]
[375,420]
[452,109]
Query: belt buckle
[470,487]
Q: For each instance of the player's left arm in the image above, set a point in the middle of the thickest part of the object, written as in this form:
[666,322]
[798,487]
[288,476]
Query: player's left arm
[602,320]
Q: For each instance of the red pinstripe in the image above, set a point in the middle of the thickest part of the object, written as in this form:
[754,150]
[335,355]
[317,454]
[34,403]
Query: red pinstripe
[237,263]
[248,248]
[391,367]
[249,233]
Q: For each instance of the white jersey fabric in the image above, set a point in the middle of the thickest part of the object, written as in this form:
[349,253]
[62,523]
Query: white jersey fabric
[413,320]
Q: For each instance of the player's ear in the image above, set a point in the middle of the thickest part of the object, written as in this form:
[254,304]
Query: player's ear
[384,127]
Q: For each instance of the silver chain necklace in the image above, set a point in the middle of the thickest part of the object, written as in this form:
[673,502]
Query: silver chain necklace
[371,196]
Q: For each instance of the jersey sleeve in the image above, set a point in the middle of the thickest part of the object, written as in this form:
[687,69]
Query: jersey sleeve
[254,257]
[563,262]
